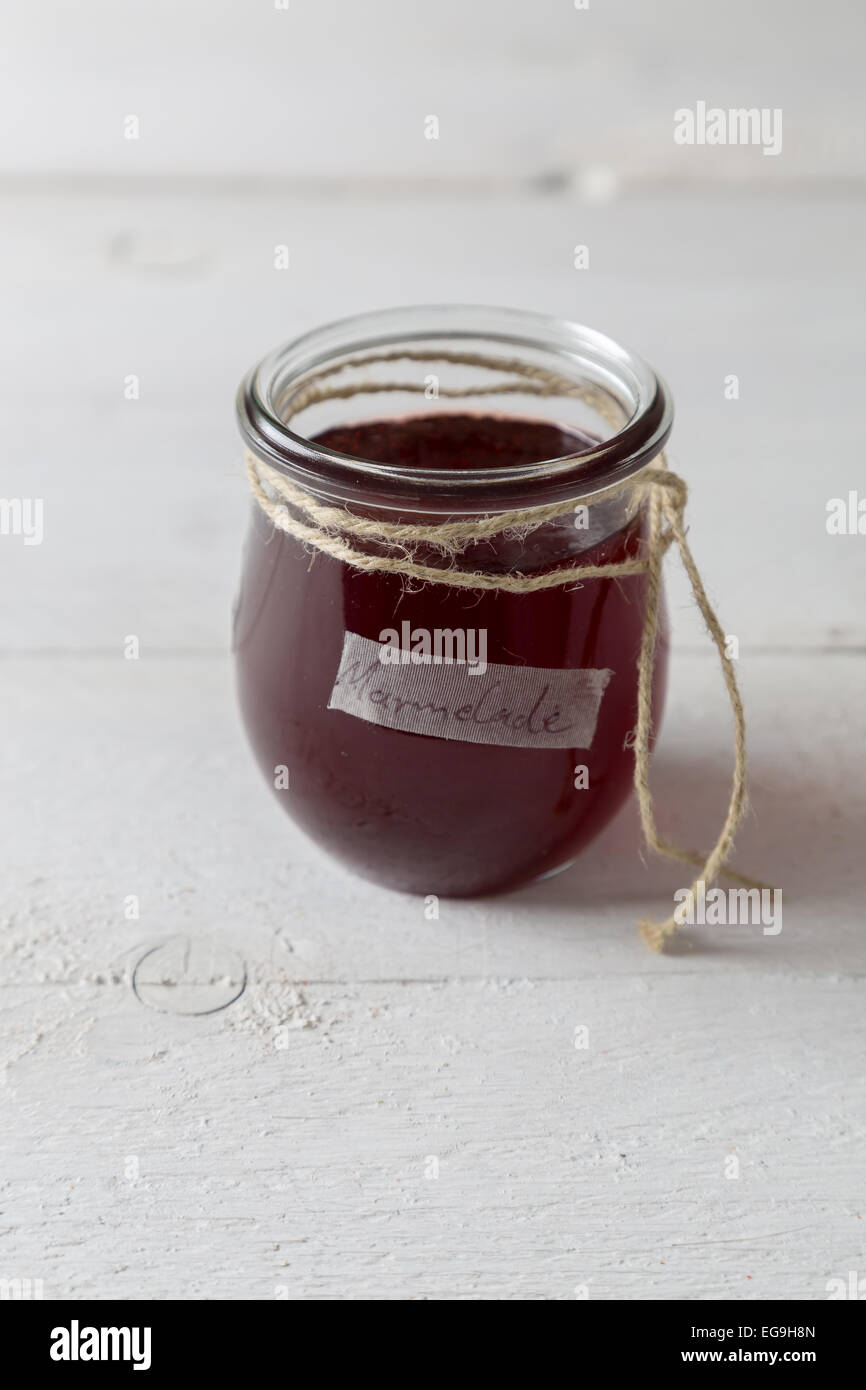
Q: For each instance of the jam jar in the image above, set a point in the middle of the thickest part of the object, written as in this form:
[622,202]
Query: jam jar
[433,737]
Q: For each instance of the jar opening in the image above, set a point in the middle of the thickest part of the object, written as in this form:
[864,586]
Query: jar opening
[454,358]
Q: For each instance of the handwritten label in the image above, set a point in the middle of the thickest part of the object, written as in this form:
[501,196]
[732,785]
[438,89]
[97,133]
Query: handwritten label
[515,706]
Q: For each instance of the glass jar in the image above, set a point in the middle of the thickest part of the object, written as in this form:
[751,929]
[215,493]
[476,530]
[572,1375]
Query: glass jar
[439,739]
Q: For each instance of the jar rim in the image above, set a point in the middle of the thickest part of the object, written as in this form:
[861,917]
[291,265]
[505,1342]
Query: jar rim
[327,472]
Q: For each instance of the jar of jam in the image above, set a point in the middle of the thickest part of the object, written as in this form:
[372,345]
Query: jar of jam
[467,734]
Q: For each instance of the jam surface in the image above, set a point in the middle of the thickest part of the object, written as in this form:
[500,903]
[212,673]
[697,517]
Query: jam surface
[415,812]
[454,441]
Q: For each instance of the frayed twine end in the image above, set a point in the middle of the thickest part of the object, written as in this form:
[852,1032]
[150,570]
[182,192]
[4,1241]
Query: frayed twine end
[656,934]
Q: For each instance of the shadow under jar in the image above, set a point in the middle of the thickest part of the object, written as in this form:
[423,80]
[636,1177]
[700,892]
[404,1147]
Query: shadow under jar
[424,416]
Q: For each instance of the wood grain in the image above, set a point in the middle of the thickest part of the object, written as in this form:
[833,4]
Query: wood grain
[289,1143]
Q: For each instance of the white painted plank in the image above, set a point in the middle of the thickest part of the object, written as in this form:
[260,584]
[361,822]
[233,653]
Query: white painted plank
[144,503]
[133,778]
[282,1144]
[181,1158]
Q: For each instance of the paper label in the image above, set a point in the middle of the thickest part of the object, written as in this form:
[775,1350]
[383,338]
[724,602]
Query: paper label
[514,706]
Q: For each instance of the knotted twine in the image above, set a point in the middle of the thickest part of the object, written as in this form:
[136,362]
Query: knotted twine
[334,531]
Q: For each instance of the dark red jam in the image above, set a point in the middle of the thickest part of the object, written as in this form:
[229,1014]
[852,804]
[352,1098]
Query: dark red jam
[417,812]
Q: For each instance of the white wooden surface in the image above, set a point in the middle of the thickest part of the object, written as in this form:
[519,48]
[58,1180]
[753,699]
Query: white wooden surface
[286,1144]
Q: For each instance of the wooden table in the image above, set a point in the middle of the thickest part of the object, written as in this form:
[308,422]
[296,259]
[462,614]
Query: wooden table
[394,1107]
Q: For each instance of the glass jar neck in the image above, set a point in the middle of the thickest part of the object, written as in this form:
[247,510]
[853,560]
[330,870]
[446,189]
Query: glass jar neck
[415,361]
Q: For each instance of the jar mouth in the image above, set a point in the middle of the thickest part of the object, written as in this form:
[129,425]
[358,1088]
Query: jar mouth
[633,402]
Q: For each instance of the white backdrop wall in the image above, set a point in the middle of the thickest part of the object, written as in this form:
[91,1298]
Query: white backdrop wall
[338,89]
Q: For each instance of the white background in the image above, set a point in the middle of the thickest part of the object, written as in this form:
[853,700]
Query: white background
[334,89]
[283,1144]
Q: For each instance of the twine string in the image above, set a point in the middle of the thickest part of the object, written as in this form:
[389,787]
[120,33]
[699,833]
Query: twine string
[338,532]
